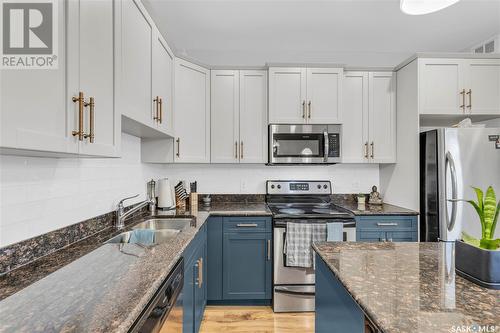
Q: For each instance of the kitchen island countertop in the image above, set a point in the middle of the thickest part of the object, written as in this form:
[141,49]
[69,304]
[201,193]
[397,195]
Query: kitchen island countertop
[410,287]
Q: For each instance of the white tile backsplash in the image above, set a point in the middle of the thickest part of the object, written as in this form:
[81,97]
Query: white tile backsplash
[38,195]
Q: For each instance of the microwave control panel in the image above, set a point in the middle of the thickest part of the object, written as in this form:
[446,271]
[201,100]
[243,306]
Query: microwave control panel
[334,145]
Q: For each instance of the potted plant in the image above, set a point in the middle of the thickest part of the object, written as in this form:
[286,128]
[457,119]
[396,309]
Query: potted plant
[478,260]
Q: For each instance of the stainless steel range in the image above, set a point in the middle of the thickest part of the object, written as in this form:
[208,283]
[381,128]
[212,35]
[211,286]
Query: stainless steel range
[300,202]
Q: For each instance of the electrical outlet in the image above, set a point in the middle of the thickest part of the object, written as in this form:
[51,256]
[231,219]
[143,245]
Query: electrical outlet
[243,186]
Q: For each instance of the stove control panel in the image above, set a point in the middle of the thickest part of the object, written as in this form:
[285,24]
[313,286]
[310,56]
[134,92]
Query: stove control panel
[299,187]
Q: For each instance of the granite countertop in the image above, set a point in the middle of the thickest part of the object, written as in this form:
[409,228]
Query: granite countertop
[348,203]
[90,286]
[404,287]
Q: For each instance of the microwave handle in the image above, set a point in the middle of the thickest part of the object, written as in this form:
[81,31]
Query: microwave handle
[327,146]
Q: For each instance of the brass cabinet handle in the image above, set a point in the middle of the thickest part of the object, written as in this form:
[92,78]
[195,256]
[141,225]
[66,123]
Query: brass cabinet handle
[241,150]
[268,250]
[309,107]
[178,147]
[470,99]
[91,135]
[304,109]
[463,100]
[157,102]
[200,272]
[236,149]
[160,117]
[80,100]
[366,149]
[372,155]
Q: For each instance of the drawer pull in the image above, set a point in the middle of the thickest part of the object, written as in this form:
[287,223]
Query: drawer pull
[387,224]
[247,225]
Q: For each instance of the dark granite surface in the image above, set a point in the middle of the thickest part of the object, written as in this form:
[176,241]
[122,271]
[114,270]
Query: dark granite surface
[348,202]
[90,286]
[404,287]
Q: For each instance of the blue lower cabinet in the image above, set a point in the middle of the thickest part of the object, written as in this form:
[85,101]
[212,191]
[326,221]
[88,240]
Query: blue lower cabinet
[214,259]
[336,311]
[382,228]
[195,289]
[247,266]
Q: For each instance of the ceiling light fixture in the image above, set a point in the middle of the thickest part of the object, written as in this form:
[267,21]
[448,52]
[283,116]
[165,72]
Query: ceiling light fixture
[421,7]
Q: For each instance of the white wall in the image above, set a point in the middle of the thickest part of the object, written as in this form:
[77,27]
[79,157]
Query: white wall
[251,178]
[38,195]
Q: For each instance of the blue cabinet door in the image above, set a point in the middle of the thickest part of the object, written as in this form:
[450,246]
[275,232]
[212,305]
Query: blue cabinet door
[199,286]
[336,311]
[188,298]
[247,266]
[214,259]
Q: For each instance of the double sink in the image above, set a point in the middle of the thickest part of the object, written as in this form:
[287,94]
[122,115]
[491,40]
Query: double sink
[153,231]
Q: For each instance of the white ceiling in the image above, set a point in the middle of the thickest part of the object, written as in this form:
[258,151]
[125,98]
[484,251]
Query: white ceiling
[351,32]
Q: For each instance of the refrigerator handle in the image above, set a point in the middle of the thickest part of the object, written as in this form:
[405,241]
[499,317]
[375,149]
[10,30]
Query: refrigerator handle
[451,163]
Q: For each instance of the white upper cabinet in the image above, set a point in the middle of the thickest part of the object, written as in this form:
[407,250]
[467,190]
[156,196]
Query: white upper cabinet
[238,116]
[38,113]
[324,95]
[382,117]
[253,116]
[163,81]
[33,104]
[225,125]
[483,86]
[287,95]
[459,86]
[305,95]
[91,72]
[134,72]
[369,114]
[355,116]
[192,113]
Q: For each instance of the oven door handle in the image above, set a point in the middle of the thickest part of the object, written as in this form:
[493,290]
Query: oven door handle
[327,145]
[288,290]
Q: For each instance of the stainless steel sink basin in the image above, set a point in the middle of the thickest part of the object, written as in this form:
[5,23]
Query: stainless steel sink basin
[144,236]
[177,224]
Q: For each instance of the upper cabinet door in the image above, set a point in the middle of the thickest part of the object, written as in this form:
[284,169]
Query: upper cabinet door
[192,113]
[34,106]
[382,117]
[483,86]
[355,118]
[324,94]
[95,73]
[135,67]
[225,92]
[287,95]
[441,86]
[162,76]
[253,116]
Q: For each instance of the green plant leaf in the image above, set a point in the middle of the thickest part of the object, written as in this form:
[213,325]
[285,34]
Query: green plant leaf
[489,244]
[495,220]
[470,240]
[490,206]
[479,194]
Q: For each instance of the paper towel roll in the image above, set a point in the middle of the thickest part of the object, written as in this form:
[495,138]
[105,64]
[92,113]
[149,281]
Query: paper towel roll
[165,194]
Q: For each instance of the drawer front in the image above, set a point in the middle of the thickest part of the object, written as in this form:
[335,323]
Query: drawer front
[247,224]
[387,223]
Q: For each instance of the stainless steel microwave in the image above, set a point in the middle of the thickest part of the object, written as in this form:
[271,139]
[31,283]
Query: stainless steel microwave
[304,144]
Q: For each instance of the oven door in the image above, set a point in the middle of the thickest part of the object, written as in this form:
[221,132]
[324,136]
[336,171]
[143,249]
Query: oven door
[298,144]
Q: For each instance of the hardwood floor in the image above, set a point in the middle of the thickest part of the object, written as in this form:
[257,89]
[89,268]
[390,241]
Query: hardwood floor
[254,319]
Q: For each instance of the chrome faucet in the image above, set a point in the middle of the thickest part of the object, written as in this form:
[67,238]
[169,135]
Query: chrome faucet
[121,215]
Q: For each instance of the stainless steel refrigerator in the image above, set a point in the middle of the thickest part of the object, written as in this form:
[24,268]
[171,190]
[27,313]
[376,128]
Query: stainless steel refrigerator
[451,161]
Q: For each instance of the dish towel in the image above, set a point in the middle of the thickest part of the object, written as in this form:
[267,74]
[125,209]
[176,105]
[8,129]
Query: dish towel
[335,232]
[299,238]
[142,236]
